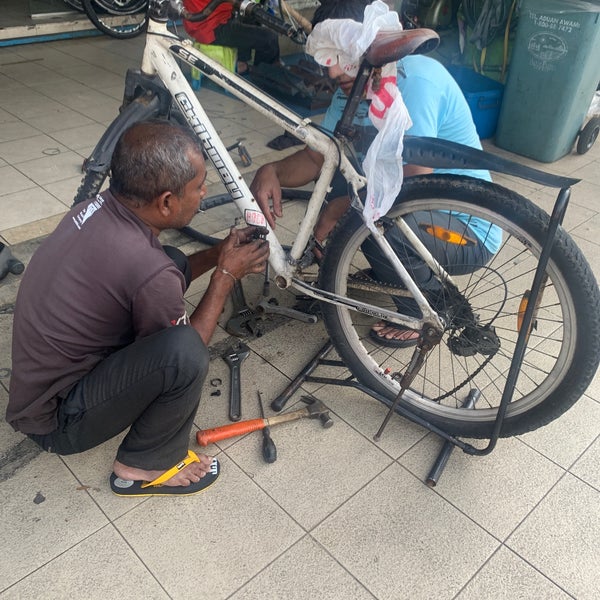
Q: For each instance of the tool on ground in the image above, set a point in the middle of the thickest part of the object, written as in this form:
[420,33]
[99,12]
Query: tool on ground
[269,451]
[242,322]
[234,356]
[313,410]
[281,400]
[265,307]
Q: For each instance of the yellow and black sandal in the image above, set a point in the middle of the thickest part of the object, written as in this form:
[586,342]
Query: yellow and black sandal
[126,487]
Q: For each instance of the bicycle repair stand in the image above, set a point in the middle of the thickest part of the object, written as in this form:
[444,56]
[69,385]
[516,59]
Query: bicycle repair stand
[494,163]
[451,441]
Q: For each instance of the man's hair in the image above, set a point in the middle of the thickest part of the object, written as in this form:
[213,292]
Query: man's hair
[340,9]
[150,158]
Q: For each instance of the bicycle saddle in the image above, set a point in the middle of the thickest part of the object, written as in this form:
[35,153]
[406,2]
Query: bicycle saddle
[390,46]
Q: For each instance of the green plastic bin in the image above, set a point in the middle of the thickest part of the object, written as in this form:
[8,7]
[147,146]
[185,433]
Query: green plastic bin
[554,72]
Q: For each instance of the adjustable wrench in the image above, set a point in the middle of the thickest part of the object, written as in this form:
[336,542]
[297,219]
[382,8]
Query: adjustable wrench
[234,356]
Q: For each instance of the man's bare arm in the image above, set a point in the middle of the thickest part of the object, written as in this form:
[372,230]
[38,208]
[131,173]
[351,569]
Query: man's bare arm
[295,170]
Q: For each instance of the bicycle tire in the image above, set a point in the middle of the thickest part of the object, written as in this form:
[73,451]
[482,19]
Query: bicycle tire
[132,25]
[564,344]
[76,4]
[122,7]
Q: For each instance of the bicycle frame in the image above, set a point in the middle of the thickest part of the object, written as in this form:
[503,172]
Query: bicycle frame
[158,59]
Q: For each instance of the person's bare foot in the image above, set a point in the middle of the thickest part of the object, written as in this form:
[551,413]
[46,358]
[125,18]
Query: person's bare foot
[189,474]
[394,335]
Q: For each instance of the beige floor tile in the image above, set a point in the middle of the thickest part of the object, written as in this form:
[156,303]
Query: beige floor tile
[13,180]
[304,572]
[101,566]
[560,538]
[27,108]
[9,438]
[366,414]
[401,540]
[588,229]
[588,465]
[33,230]
[65,190]
[217,540]
[328,465]
[93,469]
[45,512]
[30,148]
[497,491]
[79,137]
[506,576]
[576,215]
[57,166]
[39,205]
[565,439]
[588,171]
[16,130]
[60,118]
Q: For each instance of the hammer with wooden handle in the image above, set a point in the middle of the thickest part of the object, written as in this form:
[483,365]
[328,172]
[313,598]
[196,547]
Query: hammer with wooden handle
[315,410]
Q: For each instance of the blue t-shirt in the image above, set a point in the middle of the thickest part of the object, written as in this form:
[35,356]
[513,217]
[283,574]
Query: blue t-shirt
[437,108]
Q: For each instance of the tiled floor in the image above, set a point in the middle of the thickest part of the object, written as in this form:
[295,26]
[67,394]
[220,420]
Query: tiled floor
[337,516]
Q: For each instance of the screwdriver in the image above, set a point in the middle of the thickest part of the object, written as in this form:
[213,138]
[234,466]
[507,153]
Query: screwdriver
[269,451]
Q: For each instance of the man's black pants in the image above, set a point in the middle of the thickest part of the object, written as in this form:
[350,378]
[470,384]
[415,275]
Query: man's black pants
[152,386]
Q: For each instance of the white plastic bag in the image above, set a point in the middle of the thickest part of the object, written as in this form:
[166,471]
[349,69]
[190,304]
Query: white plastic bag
[343,42]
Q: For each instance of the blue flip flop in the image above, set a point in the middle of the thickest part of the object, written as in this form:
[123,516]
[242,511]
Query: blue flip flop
[127,487]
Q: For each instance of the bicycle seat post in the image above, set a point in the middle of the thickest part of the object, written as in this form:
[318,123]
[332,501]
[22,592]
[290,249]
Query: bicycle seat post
[344,128]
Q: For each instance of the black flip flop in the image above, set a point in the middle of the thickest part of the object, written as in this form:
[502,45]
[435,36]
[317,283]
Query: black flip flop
[126,487]
[392,343]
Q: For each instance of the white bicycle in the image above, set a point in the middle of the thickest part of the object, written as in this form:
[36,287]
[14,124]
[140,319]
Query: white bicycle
[470,331]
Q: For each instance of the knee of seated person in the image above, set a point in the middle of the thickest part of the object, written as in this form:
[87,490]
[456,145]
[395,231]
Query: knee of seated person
[184,344]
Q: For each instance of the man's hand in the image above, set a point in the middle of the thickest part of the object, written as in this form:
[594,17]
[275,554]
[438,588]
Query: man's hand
[239,254]
[266,189]
[242,252]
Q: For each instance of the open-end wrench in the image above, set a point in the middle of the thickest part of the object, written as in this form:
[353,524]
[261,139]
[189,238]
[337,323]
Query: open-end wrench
[265,307]
[234,356]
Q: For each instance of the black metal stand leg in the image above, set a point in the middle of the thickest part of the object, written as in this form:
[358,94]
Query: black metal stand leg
[440,464]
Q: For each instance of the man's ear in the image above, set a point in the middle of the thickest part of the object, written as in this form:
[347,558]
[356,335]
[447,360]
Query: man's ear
[164,203]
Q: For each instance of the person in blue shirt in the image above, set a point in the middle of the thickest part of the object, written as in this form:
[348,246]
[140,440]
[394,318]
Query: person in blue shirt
[437,108]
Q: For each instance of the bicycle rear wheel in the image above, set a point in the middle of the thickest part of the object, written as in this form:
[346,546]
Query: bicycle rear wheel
[124,24]
[482,315]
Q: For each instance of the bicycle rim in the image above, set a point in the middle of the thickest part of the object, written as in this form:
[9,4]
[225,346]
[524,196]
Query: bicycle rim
[120,26]
[562,351]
